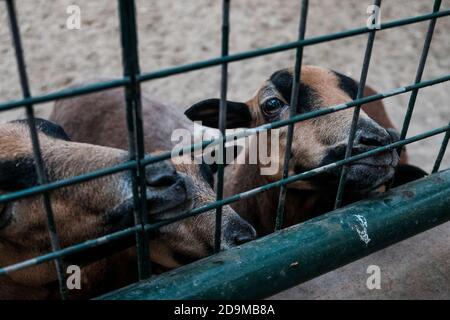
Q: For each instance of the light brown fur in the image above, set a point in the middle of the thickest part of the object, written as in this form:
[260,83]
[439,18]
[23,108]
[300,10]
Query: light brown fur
[99,119]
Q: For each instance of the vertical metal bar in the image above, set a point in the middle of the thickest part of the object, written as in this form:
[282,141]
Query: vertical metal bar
[356,112]
[222,121]
[441,153]
[419,72]
[130,59]
[292,112]
[39,163]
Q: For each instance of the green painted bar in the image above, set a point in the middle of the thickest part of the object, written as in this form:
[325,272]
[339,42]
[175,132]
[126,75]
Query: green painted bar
[214,62]
[419,72]
[356,111]
[37,155]
[291,256]
[292,112]
[298,118]
[136,150]
[184,150]
[213,205]
[286,46]
[65,93]
[222,120]
[441,153]
[276,262]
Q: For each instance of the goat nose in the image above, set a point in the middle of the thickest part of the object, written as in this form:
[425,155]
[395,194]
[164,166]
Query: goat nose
[167,190]
[161,174]
[373,138]
[243,238]
[238,232]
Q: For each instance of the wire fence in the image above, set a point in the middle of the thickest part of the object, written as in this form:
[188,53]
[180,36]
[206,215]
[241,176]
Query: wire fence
[138,160]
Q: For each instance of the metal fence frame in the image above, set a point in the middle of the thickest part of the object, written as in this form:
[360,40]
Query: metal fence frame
[131,80]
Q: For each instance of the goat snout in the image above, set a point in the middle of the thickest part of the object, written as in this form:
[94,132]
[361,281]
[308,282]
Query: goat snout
[161,174]
[169,193]
[372,137]
[166,188]
[237,231]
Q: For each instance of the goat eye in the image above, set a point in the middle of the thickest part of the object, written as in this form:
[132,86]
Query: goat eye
[272,106]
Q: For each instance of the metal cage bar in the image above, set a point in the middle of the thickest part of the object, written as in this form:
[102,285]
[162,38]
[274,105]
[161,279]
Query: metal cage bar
[37,155]
[120,234]
[130,59]
[292,112]
[166,155]
[306,250]
[104,85]
[138,160]
[222,121]
[356,112]
[441,153]
[419,72]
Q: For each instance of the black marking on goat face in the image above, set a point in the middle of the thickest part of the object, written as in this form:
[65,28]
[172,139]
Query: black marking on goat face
[308,98]
[49,128]
[347,84]
[17,174]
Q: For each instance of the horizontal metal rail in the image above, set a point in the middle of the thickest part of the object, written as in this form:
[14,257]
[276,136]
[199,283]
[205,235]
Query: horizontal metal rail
[329,232]
[167,155]
[104,85]
[294,255]
[149,227]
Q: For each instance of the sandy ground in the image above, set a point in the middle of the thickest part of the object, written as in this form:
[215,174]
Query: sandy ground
[177,32]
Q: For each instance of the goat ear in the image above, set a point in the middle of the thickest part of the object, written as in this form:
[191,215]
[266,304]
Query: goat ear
[207,111]
[405,173]
[50,128]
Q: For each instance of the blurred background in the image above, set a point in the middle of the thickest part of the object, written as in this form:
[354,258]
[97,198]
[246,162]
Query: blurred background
[177,32]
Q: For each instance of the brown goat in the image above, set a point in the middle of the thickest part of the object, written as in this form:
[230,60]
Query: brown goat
[99,119]
[93,209]
[316,142]
[79,215]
